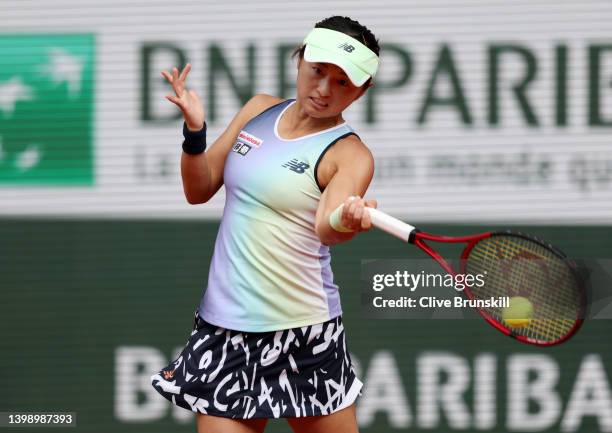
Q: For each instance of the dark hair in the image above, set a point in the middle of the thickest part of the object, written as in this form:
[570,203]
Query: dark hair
[349,27]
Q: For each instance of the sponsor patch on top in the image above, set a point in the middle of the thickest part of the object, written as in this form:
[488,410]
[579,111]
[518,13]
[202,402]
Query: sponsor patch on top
[245,137]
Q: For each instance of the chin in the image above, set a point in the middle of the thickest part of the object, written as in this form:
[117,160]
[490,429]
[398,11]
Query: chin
[315,113]
[318,114]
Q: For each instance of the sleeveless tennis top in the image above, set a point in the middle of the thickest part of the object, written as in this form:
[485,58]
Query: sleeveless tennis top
[269,269]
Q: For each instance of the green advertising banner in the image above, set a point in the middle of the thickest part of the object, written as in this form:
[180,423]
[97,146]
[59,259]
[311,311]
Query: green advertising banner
[508,102]
[46,109]
[90,309]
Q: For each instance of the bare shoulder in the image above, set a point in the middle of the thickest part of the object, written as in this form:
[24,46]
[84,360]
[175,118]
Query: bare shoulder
[351,150]
[257,104]
[348,154]
[252,108]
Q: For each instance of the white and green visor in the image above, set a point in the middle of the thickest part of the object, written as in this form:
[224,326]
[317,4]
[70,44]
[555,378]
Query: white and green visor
[329,46]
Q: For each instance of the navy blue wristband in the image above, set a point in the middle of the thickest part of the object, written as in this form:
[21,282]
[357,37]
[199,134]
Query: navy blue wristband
[195,141]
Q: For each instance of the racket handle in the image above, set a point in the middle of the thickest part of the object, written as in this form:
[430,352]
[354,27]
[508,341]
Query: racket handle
[391,225]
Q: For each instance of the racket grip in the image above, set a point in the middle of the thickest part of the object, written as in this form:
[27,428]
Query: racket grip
[391,225]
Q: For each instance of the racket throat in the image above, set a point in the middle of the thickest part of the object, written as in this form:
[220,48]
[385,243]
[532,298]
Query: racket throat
[412,236]
[434,255]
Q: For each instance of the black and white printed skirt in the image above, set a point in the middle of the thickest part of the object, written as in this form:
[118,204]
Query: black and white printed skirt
[296,372]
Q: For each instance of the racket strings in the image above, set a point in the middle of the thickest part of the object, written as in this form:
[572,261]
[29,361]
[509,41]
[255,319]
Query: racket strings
[518,282]
[518,266]
[546,324]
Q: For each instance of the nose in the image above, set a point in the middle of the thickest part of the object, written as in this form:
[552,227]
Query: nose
[324,87]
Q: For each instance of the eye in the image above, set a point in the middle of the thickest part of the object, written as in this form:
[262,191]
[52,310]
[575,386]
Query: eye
[316,70]
[343,83]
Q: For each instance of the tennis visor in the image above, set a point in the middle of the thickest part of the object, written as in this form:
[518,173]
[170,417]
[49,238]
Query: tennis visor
[329,46]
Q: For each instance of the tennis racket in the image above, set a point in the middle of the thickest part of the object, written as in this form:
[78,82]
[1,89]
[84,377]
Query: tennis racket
[515,264]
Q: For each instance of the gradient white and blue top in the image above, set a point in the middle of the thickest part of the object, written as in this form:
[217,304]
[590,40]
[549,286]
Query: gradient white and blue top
[269,270]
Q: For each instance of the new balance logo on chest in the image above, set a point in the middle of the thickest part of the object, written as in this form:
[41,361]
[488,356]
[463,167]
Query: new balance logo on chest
[297,166]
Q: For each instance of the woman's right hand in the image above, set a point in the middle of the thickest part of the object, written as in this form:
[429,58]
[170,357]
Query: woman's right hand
[187,100]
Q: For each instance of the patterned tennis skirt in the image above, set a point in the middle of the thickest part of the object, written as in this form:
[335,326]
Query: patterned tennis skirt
[296,372]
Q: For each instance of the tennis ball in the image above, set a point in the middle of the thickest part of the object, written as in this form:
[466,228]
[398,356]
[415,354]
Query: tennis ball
[519,313]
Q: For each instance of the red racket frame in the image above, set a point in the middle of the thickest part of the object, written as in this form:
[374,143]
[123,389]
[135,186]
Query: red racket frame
[418,238]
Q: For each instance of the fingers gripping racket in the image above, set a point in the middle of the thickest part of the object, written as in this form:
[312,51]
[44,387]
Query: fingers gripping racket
[515,264]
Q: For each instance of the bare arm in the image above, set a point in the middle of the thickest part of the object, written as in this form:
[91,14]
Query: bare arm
[202,174]
[352,167]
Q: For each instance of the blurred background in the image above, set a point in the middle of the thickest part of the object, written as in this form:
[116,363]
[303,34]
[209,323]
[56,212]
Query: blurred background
[485,114]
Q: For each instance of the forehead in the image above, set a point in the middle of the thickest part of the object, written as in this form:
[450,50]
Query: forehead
[331,68]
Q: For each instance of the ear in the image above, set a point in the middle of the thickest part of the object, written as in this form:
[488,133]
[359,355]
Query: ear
[363,90]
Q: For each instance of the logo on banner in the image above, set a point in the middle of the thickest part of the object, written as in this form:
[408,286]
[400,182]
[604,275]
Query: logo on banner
[46,109]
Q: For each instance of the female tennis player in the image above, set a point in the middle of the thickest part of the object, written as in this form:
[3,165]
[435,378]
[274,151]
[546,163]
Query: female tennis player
[268,340]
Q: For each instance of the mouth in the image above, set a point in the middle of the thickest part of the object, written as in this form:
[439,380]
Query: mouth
[318,103]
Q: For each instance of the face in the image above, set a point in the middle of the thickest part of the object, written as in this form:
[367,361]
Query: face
[324,90]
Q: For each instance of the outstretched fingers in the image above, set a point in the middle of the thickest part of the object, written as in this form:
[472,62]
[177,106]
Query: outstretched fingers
[185,99]
[175,76]
[175,100]
[185,72]
[167,76]
[177,80]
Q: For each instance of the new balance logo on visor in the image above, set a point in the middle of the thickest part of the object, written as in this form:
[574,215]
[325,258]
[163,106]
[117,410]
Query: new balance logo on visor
[347,47]
[297,166]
